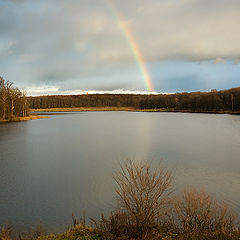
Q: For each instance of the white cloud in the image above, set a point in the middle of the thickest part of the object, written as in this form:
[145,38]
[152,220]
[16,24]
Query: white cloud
[54,90]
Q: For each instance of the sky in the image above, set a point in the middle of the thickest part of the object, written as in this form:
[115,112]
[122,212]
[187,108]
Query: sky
[79,46]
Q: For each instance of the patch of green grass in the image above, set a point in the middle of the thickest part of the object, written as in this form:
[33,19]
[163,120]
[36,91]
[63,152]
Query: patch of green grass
[78,233]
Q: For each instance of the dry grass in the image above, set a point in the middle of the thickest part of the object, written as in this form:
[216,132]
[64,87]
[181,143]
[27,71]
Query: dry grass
[18,119]
[31,117]
[82,109]
[5,233]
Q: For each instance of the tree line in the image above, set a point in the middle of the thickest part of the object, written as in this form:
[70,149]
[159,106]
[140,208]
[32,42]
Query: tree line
[13,101]
[214,101]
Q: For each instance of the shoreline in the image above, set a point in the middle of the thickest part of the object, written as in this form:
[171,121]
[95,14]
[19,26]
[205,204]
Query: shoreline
[128,109]
[82,109]
[34,112]
[27,118]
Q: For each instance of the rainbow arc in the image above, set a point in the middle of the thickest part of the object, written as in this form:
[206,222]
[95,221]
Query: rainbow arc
[134,46]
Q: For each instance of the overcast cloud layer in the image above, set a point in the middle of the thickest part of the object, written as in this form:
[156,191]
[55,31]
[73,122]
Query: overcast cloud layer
[77,44]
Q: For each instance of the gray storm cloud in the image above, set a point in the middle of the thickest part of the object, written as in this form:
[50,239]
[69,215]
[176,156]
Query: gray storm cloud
[52,42]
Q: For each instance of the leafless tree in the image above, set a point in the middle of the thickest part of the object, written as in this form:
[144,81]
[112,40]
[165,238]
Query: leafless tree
[4,93]
[13,101]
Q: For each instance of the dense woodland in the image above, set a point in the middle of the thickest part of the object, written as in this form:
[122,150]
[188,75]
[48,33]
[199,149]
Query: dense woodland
[13,101]
[214,101]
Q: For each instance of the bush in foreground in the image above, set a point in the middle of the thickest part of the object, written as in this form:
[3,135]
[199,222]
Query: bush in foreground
[143,195]
[198,211]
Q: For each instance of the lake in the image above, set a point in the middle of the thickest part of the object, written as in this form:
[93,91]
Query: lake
[52,167]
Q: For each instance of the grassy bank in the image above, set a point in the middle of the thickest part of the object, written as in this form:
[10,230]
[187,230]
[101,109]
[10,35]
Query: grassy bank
[82,233]
[18,119]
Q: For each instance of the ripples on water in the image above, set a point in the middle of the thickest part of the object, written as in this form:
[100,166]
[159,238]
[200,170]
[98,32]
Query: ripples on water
[52,167]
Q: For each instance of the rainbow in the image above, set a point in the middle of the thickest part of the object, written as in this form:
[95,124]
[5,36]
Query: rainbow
[134,47]
[137,54]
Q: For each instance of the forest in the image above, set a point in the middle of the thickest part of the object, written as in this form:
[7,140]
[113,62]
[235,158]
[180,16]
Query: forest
[13,101]
[213,101]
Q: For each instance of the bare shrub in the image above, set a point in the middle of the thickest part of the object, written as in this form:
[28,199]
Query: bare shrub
[198,212]
[79,222]
[143,193]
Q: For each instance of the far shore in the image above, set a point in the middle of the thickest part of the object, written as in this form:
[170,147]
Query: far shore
[83,109]
[95,109]
[19,119]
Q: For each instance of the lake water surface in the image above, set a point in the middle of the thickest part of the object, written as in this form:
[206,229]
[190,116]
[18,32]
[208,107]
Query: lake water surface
[52,167]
